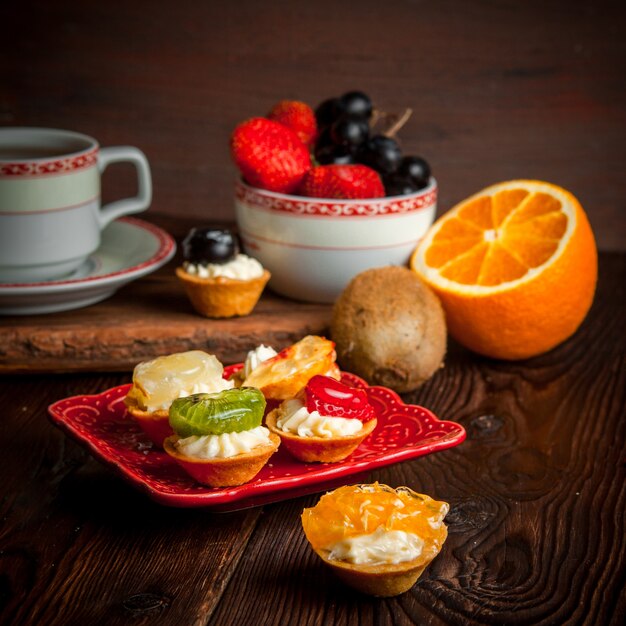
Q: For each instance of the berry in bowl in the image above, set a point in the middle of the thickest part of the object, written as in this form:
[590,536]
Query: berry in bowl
[325,195]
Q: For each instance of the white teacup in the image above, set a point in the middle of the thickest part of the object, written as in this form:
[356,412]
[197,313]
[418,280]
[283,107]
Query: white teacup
[50,214]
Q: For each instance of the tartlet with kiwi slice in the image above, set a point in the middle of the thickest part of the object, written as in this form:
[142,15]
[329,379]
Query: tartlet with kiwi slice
[218,438]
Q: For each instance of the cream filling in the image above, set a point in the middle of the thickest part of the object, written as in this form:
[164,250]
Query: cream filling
[242,267]
[379,548]
[256,357]
[223,446]
[294,418]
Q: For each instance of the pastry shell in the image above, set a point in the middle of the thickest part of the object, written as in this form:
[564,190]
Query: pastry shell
[287,373]
[382,581]
[221,296]
[156,424]
[228,472]
[319,449]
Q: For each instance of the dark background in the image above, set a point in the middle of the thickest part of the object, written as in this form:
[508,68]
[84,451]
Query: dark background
[499,89]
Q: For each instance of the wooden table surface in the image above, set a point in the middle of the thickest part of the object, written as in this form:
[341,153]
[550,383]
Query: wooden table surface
[536,526]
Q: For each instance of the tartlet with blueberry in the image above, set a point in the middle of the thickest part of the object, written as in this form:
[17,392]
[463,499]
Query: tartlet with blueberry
[220,281]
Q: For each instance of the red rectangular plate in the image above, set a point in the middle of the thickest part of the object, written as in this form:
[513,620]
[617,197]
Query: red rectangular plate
[100,422]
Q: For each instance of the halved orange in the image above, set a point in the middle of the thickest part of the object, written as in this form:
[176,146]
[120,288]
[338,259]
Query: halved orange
[515,267]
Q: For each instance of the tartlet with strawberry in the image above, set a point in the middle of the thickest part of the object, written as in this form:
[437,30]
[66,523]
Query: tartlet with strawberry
[326,422]
[219,280]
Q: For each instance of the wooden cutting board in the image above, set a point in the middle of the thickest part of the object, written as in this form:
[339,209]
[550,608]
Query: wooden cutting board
[144,319]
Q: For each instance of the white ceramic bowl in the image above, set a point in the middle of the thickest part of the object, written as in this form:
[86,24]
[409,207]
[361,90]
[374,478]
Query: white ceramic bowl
[313,246]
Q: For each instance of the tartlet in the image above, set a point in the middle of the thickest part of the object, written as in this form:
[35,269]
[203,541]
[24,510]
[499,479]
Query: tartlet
[155,382]
[366,513]
[325,423]
[218,438]
[284,375]
[319,449]
[218,279]
[221,296]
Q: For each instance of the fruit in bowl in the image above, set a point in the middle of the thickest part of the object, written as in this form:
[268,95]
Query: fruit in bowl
[317,208]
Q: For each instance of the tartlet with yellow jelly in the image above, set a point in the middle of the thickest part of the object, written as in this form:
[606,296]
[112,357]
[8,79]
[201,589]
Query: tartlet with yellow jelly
[158,382]
[376,539]
[218,279]
[218,438]
[325,422]
[285,374]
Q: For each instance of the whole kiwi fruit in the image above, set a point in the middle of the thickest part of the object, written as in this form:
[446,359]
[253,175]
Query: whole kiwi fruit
[389,328]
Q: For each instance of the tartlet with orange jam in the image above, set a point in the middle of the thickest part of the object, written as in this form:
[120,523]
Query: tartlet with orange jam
[325,422]
[378,540]
[158,382]
[218,437]
[282,376]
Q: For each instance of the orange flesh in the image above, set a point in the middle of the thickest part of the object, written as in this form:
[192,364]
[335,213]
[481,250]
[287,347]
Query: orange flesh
[499,238]
[357,510]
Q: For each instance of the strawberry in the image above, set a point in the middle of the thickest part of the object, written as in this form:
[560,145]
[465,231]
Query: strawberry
[298,116]
[342,181]
[269,155]
[332,398]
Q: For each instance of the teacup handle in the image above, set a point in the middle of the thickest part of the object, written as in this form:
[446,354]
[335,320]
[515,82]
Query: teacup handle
[143,198]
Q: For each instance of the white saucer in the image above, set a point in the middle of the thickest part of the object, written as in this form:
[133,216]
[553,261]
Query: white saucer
[130,248]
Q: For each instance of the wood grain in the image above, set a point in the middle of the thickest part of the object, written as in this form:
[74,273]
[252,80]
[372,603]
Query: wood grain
[536,526]
[537,498]
[80,547]
[149,318]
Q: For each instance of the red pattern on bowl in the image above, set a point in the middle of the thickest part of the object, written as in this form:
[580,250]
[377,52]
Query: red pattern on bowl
[100,423]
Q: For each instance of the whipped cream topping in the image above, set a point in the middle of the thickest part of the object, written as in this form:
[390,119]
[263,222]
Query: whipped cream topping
[223,446]
[242,267]
[157,383]
[380,547]
[296,419]
[256,357]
